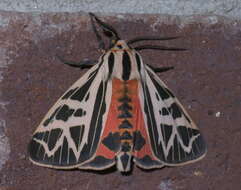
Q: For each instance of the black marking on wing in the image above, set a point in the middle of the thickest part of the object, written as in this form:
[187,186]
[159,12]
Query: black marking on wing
[72,158]
[41,153]
[64,113]
[186,134]
[46,136]
[56,156]
[166,132]
[139,141]
[169,92]
[92,74]
[111,61]
[54,136]
[160,112]
[157,96]
[47,159]
[138,62]
[34,146]
[126,65]
[170,156]
[95,124]
[79,113]
[37,151]
[64,155]
[165,93]
[39,136]
[151,122]
[147,162]
[176,148]
[76,133]
[47,121]
[83,90]
[98,162]
[64,152]
[112,141]
[69,93]
[175,110]
[164,111]
[161,91]
[182,154]
[87,97]
[187,118]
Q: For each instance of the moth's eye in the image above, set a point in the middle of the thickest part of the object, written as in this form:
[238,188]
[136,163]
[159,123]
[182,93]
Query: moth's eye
[119,46]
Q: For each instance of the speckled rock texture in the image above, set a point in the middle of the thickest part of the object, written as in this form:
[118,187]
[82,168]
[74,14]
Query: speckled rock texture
[229,8]
[206,79]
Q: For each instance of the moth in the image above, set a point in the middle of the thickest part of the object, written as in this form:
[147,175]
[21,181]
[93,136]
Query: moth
[117,113]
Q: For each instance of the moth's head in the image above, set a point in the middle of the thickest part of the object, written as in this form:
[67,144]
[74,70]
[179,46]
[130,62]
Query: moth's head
[120,45]
[107,31]
[115,43]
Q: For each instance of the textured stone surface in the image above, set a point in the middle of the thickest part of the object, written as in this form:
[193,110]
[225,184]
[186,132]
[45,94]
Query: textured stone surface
[229,8]
[207,80]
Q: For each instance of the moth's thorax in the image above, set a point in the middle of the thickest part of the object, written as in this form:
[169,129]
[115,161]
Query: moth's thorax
[122,62]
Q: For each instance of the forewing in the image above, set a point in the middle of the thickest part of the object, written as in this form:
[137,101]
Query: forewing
[174,138]
[69,134]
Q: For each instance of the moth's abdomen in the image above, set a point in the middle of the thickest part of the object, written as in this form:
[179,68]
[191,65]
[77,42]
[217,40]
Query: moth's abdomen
[121,128]
[124,93]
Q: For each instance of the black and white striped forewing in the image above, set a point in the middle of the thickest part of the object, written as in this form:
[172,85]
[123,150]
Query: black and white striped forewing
[68,135]
[174,137]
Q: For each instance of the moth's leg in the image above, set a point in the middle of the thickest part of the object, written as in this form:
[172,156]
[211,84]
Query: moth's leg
[160,69]
[85,64]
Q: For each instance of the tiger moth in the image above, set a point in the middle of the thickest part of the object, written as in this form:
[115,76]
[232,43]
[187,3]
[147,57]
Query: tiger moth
[117,113]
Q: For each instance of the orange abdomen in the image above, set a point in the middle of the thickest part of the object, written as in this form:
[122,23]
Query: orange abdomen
[124,133]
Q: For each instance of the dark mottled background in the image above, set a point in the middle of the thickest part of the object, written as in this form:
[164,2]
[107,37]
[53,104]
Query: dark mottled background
[206,79]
